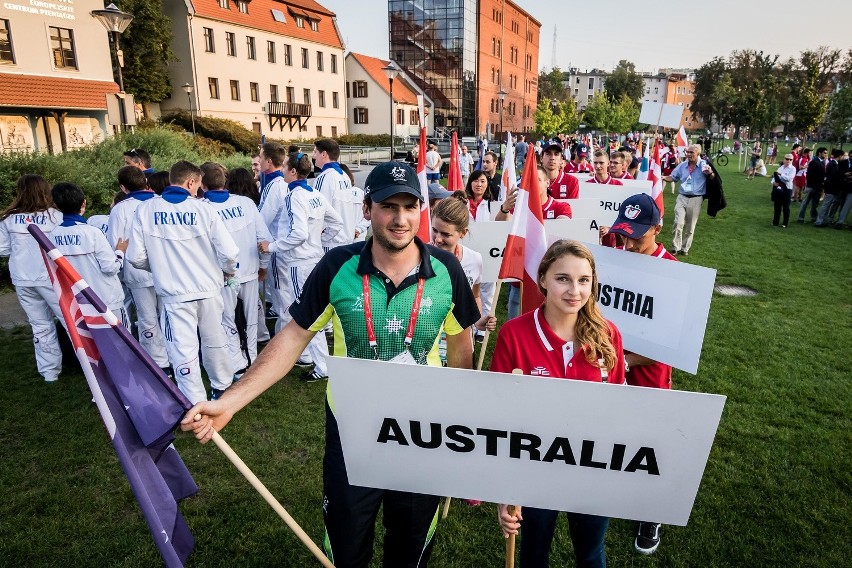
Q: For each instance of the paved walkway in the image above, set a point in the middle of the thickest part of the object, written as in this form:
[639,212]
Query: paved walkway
[11,314]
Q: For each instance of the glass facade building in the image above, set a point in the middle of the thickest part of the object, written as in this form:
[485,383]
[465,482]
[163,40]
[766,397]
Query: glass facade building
[435,42]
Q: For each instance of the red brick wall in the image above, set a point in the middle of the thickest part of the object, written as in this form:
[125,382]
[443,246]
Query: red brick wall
[504,22]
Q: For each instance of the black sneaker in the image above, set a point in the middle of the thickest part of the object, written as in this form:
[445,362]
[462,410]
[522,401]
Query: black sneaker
[303,363]
[479,336]
[648,537]
[313,377]
[215,394]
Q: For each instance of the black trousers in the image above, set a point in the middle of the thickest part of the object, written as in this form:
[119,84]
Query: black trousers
[350,514]
[781,201]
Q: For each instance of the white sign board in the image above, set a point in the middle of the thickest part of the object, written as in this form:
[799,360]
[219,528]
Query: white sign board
[667,116]
[603,211]
[611,450]
[616,192]
[659,306]
[489,239]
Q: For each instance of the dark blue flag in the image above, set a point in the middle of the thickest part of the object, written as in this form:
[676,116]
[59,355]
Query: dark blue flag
[140,407]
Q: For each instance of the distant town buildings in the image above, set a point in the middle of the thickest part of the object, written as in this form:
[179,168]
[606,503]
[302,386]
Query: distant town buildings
[464,55]
[55,74]
[274,66]
[368,99]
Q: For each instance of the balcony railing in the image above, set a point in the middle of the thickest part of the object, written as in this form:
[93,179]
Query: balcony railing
[291,114]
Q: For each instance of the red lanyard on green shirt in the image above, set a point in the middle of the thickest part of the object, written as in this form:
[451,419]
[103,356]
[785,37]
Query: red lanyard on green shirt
[368,314]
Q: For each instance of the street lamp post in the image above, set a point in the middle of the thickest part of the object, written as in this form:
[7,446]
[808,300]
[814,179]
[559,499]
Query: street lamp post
[502,94]
[187,88]
[115,21]
[391,72]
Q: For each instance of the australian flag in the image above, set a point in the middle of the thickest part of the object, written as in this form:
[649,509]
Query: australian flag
[140,407]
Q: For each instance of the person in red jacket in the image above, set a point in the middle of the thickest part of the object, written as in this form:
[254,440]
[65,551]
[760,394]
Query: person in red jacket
[566,338]
[638,224]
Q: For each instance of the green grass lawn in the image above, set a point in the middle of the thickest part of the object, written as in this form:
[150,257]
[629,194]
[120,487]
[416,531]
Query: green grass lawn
[776,490]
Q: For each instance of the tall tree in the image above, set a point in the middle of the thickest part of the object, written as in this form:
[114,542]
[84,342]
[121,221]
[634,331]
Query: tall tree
[551,118]
[838,120]
[624,81]
[147,51]
[811,80]
[618,116]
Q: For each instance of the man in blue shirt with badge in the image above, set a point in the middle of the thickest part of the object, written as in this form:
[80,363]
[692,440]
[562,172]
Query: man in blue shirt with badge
[692,175]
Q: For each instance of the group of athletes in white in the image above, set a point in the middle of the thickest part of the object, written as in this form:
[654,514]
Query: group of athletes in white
[185,256]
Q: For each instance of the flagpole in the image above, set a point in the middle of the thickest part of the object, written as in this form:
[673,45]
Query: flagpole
[269,498]
[494,297]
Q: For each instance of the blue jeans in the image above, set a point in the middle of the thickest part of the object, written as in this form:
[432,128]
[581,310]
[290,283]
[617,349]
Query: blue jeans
[812,198]
[587,536]
[513,307]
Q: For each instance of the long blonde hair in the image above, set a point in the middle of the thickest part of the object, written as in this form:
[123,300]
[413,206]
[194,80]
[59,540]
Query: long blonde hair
[591,329]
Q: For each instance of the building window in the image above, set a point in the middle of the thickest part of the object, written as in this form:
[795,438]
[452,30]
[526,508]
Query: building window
[333,63]
[235,90]
[493,46]
[7,54]
[321,97]
[270,51]
[62,44]
[254,92]
[334,132]
[361,115]
[413,118]
[278,16]
[320,63]
[255,127]
[213,83]
[231,43]
[273,93]
[291,94]
[300,22]
[314,25]
[209,46]
[288,54]
[347,89]
[305,58]
[242,6]
[225,4]
[252,54]
[306,96]
[400,116]
[335,100]
[319,130]
[591,83]
[359,89]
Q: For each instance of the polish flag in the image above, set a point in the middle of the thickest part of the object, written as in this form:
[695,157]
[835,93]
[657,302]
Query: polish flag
[527,241]
[425,230]
[509,179]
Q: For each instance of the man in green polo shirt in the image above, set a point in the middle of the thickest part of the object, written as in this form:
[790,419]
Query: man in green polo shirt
[389,298]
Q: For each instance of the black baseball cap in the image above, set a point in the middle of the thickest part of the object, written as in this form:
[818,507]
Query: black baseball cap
[636,215]
[552,145]
[392,178]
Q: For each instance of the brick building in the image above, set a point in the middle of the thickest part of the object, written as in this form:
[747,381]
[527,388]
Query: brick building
[681,91]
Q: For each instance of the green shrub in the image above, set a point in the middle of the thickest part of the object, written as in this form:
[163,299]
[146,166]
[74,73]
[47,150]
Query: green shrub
[226,132]
[94,167]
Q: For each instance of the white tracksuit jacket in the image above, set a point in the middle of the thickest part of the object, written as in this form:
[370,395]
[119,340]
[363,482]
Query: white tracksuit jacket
[120,226]
[307,217]
[26,265]
[335,186]
[246,226]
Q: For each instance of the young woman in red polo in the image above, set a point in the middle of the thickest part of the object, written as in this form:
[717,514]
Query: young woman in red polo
[566,338]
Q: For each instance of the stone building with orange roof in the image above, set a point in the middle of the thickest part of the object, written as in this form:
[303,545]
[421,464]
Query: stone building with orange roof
[275,66]
[368,99]
[55,75]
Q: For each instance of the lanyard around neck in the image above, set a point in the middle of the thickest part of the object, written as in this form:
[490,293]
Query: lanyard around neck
[368,314]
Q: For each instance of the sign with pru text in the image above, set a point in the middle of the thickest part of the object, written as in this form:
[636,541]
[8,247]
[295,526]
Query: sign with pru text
[489,239]
[601,449]
[614,192]
[660,306]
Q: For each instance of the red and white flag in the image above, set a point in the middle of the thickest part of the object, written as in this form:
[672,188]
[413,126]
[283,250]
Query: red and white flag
[454,177]
[527,241]
[425,230]
[682,141]
[655,174]
[509,179]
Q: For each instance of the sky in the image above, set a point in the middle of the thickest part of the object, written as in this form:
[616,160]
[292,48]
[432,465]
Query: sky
[669,36]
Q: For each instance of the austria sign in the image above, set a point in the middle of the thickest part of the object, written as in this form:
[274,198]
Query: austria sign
[660,306]
[612,450]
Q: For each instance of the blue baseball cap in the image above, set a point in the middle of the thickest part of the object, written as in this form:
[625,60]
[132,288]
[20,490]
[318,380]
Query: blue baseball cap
[636,215]
[392,178]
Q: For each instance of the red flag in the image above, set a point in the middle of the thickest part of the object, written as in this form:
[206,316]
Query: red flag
[527,241]
[454,178]
[425,230]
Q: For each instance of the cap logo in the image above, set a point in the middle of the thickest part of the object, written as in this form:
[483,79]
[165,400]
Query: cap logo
[398,173]
[632,211]
[623,227]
